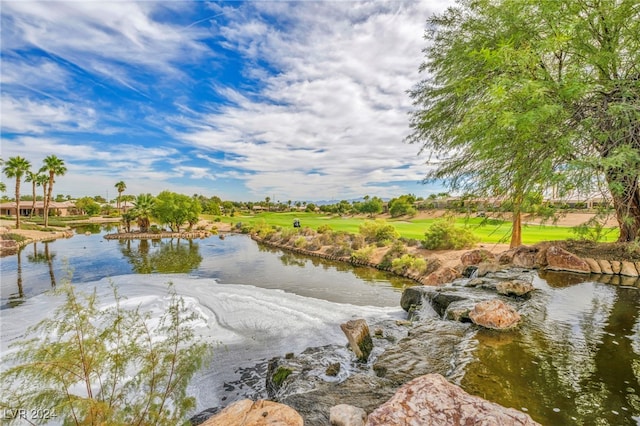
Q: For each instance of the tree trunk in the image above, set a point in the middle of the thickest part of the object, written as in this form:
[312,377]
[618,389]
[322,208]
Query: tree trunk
[47,200]
[18,202]
[626,201]
[516,229]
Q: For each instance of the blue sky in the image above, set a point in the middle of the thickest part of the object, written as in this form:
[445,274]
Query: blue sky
[302,100]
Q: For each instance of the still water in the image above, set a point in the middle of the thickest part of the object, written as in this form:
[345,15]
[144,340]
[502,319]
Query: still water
[574,361]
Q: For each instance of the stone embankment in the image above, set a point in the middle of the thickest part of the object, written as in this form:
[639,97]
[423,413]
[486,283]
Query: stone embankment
[10,246]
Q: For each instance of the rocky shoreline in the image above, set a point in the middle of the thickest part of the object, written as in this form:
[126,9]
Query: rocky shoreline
[484,290]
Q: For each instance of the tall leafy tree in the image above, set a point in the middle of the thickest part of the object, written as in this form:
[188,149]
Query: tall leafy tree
[176,209]
[521,95]
[120,186]
[54,166]
[16,167]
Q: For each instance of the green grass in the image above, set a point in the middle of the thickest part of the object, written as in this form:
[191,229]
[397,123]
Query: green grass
[489,231]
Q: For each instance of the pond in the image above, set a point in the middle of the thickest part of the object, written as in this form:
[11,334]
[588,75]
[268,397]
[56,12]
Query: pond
[575,360]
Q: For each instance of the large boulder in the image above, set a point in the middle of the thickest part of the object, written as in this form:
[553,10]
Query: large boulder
[559,259]
[474,257]
[518,288]
[431,400]
[494,314]
[357,332]
[441,276]
[256,413]
[434,346]
[628,269]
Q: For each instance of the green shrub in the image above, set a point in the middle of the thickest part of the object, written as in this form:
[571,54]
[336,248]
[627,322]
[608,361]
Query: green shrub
[324,228]
[363,255]
[444,235]
[375,231]
[407,263]
[396,250]
[15,237]
[300,242]
[105,366]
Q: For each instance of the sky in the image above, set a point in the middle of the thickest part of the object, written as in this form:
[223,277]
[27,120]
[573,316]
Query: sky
[292,100]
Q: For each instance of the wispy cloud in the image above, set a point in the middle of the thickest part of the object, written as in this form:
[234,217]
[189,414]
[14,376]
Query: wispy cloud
[301,100]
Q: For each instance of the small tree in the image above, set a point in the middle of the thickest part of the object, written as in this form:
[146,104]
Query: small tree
[16,167]
[88,206]
[176,209]
[95,366]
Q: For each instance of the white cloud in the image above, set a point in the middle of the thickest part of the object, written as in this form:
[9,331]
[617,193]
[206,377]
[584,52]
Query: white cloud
[333,117]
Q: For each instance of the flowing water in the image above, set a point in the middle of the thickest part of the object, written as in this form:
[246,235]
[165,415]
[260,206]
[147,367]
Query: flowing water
[575,360]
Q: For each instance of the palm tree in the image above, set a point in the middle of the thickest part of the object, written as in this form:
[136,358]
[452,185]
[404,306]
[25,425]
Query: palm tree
[43,181]
[120,186]
[143,210]
[33,178]
[16,167]
[55,166]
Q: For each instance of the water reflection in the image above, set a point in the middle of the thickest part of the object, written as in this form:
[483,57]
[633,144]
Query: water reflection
[571,362]
[163,256]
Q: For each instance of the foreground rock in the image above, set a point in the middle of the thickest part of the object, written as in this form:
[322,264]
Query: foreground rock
[432,400]
[347,415]
[357,332]
[494,314]
[559,259]
[258,413]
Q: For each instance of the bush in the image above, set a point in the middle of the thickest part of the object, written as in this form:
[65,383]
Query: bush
[300,242]
[444,235]
[395,251]
[105,366]
[362,255]
[377,231]
[324,228]
[407,263]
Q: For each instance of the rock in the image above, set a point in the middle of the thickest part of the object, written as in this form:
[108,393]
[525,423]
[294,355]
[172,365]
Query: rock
[357,332]
[441,276]
[470,271]
[561,260]
[593,265]
[360,390]
[605,266]
[486,267]
[494,314]
[434,346]
[616,266]
[347,415]
[432,400]
[629,269]
[516,288]
[474,257]
[524,257]
[440,301]
[258,413]
[412,297]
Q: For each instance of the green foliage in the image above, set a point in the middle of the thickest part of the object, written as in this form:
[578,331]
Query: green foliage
[280,375]
[402,206]
[363,254]
[525,96]
[88,205]
[106,366]
[300,242]
[408,263]
[445,235]
[371,206]
[176,209]
[398,249]
[378,231]
[324,228]
[11,236]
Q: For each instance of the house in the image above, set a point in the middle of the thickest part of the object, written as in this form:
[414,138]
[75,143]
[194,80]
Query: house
[64,208]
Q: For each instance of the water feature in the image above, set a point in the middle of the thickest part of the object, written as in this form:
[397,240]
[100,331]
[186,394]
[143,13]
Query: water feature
[575,360]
